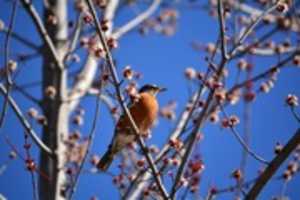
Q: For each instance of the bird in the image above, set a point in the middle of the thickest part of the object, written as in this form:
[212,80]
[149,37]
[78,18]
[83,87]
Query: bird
[144,112]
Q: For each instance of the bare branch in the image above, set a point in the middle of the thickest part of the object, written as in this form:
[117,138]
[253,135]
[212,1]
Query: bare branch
[90,142]
[8,77]
[242,142]
[222,29]
[22,39]
[246,8]
[25,123]
[296,116]
[279,65]
[251,27]
[42,31]
[273,166]
[137,20]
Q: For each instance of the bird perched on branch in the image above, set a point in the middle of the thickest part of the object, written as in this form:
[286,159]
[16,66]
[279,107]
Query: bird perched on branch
[144,112]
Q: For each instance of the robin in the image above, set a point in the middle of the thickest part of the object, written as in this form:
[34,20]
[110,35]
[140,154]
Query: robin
[144,112]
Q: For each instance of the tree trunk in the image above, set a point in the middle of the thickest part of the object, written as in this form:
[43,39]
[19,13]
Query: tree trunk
[52,181]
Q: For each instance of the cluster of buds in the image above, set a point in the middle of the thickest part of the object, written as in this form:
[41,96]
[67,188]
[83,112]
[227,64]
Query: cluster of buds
[231,121]
[101,3]
[296,60]
[141,163]
[80,5]
[249,96]
[12,66]
[176,143]
[166,22]
[150,190]
[243,65]
[78,118]
[84,42]
[210,48]
[50,92]
[153,149]
[128,73]
[220,95]
[87,18]
[94,160]
[76,150]
[283,6]
[190,73]
[75,136]
[132,91]
[42,120]
[278,148]
[168,111]
[112,43]
[115,112]
[292,100]
[105,25]
[34,114]
[196,166]
[237,174]
[264,87]
[119,180]
[12,155]
[168,15]
[234,96]
[99,52]
[291,169]
[52,19]
[214,117]
[284,22]
[30,165]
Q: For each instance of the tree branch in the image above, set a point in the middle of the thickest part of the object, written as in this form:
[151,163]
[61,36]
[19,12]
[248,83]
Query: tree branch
[42,31]
[25,123]
[273,166]
[22,39]
[137,20]
[222,29]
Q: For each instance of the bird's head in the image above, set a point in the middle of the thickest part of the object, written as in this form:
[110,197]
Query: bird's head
[151,89]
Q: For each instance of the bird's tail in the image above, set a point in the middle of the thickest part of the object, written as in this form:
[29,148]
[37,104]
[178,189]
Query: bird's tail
[105,161]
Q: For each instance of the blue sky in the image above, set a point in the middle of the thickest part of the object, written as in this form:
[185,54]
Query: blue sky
[162,60]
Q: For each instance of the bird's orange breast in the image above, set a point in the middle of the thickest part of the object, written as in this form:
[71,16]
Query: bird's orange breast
[144,113]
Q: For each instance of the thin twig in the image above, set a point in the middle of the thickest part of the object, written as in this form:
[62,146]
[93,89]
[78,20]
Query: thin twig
[25,123]
[42,31]
[21,39]
[222,29]
[116,81]
[9,81]
[90,142]
[199,123]
[264,74]
[27,95]
[252,26]
[273,166]
[137,20]
[242,142]
[297,117]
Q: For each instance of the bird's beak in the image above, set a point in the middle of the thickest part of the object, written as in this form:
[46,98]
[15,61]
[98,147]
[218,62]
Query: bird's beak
[162,89]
